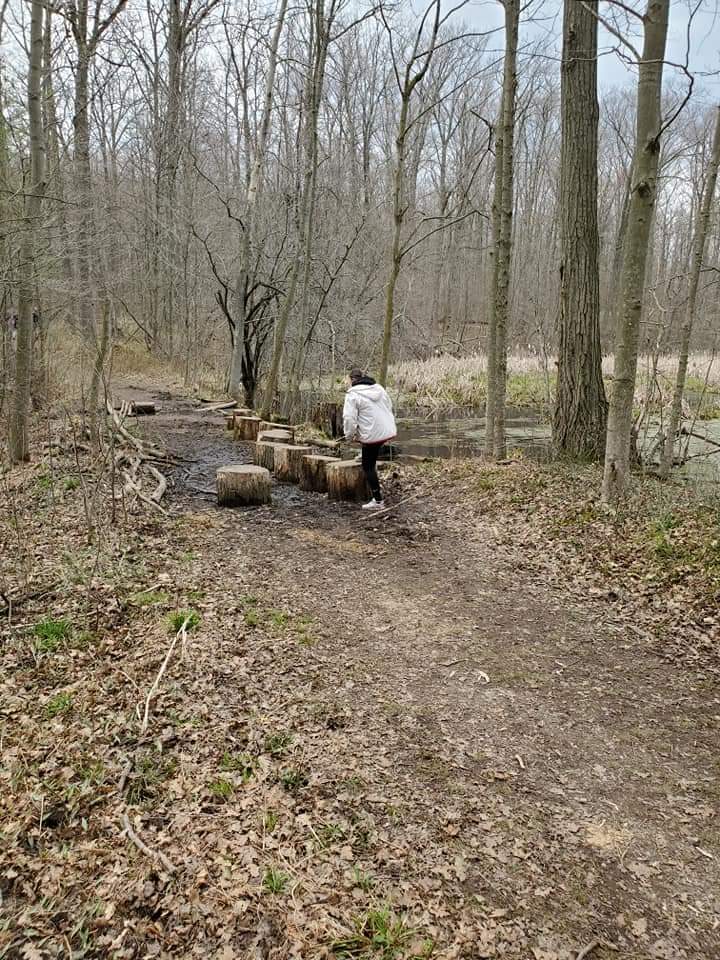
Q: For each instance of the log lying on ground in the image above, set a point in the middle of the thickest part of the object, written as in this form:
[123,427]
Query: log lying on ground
[247,428]
[288,461]
[270,425]
[142,408]
[313,473]
[242,485]
[346,481]
[264,455]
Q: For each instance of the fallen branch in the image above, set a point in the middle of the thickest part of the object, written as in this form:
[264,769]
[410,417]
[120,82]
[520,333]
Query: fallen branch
[11,603]
[223,405]
[143,847]
[586,951]
[372,514]
[180,635]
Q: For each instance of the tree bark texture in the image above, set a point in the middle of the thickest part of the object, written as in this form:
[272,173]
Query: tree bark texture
[241,486]
[580,414]
[288,461]
[346,481]
[313,473]
[637,241]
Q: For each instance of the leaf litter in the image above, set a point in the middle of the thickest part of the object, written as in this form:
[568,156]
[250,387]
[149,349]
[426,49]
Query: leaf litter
[351,796]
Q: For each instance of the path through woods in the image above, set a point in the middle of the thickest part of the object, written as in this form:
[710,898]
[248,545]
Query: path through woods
[430,720]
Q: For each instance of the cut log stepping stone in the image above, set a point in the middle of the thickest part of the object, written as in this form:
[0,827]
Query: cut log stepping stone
[142,408]
[313,473]
[265,453]
[275,436]
[267,425]
[247,428]
[346,481]
[288,461]
[243,485]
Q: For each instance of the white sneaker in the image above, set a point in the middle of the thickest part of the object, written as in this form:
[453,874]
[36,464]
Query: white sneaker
[373,505]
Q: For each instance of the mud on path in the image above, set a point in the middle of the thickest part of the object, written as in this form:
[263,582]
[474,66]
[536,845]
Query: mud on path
[556,781]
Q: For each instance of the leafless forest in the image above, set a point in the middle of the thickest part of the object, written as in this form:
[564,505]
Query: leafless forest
[273,192]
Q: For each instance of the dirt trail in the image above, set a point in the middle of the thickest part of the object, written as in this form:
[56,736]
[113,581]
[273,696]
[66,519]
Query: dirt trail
[581,770]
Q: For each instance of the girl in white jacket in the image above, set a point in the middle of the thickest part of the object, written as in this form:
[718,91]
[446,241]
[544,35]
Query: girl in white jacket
[368,417]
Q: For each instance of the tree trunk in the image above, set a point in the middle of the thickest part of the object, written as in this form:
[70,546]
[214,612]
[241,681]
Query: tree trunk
[498,376]
[241,486]
[238,390]
[288,461]
[491,396]
[313,473]
[19,445]
[637,238]
[580,415]
[701,232]
[346,481]
[395,253]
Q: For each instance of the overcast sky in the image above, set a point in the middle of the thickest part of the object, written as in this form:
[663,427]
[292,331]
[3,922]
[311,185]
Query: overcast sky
[546,17]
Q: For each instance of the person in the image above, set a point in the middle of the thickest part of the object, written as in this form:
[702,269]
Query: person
[368,418]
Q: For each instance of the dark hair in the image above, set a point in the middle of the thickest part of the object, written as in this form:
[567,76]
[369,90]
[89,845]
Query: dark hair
[356,374]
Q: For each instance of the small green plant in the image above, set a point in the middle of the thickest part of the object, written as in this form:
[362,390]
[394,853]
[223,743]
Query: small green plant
[278,618]
[44,481]
[149,598]
[221,789]
[275,881]
[241,763]
[379,933]
[252,618]
[271,819]
[58,705]
[293,779]
[150,771]
[70,483]
[330,833]
[51,634]
[363,880]
[189,618]
[278,743]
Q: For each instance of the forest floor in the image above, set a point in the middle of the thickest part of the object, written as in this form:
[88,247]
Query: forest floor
[482,725]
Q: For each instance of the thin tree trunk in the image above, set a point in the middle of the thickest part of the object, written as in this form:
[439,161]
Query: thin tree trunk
[395,252]
[686,331]
[491,396]
[19,442]
[637,240]
[253,196]
[504,247]
[580,415]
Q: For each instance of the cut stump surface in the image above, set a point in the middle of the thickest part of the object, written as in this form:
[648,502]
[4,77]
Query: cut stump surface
[313,473]
[288,461]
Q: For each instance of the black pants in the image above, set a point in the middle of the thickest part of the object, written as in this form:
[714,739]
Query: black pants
[370,453]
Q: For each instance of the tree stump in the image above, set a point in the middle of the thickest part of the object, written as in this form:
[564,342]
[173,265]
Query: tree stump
[274,436]
[346,481]
[265,453]
[288,461]
[313,473]
[242,485]
[247,428]
[268,425]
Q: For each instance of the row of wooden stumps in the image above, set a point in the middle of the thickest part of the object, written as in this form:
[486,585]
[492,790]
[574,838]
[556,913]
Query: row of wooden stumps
[277,453]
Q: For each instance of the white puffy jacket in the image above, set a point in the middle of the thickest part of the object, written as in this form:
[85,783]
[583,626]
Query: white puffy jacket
[368,414]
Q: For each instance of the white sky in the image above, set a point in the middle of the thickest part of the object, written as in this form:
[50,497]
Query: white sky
[546,17]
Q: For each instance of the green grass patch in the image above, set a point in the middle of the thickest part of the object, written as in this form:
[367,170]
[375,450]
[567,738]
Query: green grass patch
[379,934]
[241,763]
[275,881]
[190,618]
[59,705]
[150,598]
[278,744]
[221,789]
[50,634]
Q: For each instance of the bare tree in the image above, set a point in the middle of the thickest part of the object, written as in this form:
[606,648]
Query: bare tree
[649,129]
[698,254]
[19,441]
[580,413]
[502,242]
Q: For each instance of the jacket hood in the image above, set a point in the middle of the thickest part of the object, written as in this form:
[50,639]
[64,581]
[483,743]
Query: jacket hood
[368,388]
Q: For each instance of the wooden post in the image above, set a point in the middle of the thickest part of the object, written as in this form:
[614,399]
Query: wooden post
[247,428]
[313,473]
[242,485]
[288,461]
[346,481]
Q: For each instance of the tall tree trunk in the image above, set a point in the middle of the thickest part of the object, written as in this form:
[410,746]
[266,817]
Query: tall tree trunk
[395,252]
[492,389]
[19,445]
[580,415]
[701,232]
[497,377]
[637,239]
[237,388]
